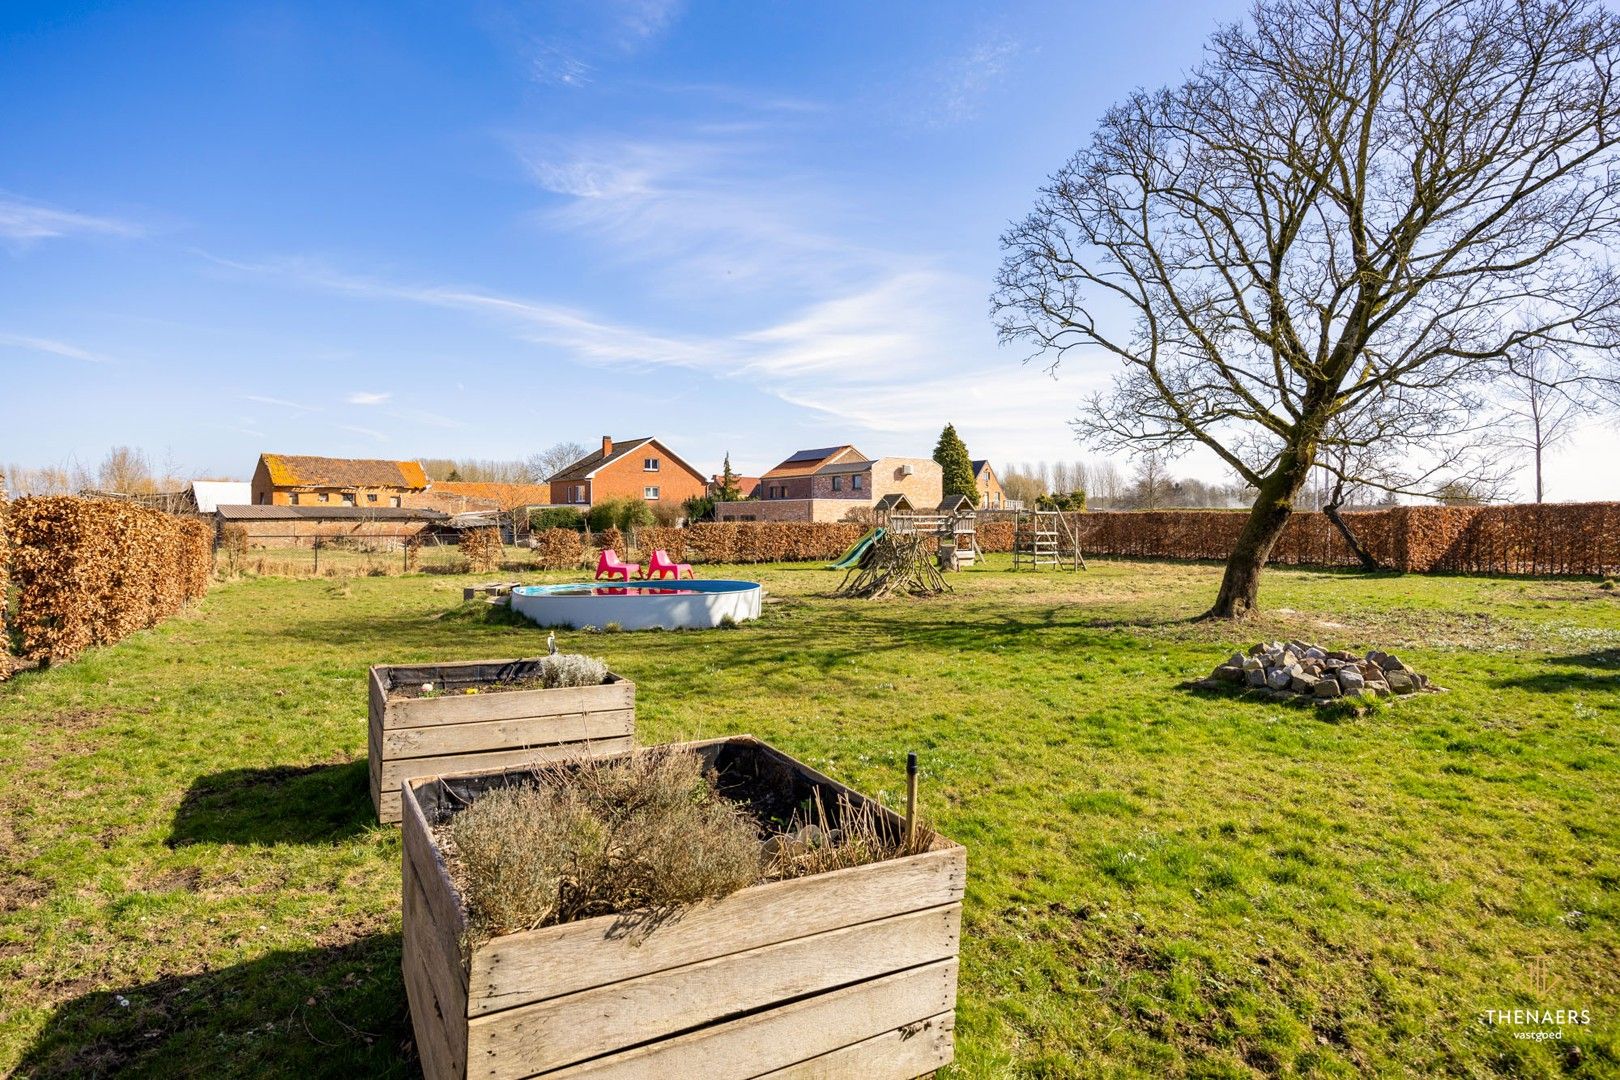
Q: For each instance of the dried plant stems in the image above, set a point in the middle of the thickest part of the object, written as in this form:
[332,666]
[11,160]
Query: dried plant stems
[894,564]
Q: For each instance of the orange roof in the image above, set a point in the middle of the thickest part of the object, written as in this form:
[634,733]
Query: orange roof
[293,470]
[806,462]
[506,496]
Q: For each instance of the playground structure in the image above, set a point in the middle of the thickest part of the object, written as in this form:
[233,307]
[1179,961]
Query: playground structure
[857,549]
[953,530]
[893,562]
[1045,538]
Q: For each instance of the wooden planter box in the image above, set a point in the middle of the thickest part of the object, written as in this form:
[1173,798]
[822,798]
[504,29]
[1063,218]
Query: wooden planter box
[848,973]
[460,732]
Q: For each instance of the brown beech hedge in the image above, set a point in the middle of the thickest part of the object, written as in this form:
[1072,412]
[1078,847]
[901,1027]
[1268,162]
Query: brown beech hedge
[90,572]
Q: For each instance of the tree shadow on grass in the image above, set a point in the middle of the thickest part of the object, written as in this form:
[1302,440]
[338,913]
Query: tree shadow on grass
[282,804]
[1599,671]
[336,1011]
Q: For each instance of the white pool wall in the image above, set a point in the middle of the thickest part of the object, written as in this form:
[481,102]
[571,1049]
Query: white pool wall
[706,608]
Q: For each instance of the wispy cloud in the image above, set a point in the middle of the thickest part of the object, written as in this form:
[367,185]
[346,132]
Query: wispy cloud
[280,403]
[954,90]
[367,397]
[367,432]
[23,221]
[54,348]
[565,46]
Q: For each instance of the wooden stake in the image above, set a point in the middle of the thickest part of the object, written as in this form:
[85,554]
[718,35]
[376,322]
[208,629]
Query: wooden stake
[911,799]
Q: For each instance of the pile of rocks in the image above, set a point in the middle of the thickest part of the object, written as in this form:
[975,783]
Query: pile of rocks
[1296,669]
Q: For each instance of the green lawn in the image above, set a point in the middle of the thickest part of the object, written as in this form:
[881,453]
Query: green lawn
[1161,882]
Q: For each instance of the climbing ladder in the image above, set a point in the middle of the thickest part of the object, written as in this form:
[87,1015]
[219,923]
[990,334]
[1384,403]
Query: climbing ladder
[1045,538]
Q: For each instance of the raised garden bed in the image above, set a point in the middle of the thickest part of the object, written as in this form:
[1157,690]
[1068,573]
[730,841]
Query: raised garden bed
[452,730]
[846,973]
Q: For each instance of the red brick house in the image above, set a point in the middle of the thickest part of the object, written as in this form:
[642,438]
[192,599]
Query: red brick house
[627,469]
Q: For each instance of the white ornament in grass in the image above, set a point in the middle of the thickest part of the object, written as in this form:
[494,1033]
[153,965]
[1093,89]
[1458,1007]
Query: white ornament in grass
[551,643]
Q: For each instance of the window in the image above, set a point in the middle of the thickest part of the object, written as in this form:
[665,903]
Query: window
[371,496]
[650,494]
[324,497]
[649,464]
[855,481]
[393,500]
[838,483]
[294,498]
[348,498]
[578,494]
[264,498]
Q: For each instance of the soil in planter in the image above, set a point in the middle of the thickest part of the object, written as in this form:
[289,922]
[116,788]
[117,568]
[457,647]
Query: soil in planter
[651,831]
[546,673]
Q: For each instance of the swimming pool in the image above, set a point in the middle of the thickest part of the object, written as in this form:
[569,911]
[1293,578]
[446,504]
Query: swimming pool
[639,605]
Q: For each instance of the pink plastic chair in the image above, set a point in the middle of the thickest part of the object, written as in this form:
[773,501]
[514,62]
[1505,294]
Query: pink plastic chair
[662,564]
[608,563]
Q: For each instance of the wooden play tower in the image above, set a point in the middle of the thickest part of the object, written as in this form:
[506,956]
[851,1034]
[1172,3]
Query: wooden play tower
[1045,538]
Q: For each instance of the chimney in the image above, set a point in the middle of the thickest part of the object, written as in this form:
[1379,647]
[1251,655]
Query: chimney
[607,446]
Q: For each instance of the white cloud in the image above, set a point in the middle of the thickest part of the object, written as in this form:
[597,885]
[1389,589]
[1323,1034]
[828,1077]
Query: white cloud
[953,91]
[280,403]
[367,397]
[367,432]
[23,221]
[55,348]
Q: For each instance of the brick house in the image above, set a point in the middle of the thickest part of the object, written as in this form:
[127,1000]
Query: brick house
[825,484]
[297,480]
[991,497]
[629,469]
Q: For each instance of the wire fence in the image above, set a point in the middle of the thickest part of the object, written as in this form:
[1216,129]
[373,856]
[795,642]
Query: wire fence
[371,555]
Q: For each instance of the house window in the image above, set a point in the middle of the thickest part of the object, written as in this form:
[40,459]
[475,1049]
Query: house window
[393,500]
[855,482]
[348,498]
[838,483]
[324,497]
[649,464]
[371,496]
[650,494]
[578,494]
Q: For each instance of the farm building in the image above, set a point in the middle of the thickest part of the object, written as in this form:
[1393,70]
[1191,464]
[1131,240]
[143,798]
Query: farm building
[629,469]
[291,526]
[295,480]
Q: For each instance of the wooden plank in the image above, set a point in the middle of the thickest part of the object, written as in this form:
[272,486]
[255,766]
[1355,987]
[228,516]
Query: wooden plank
[396,772]
[435,976]
[539,964]
[536,1038]
[507,734]
[776,1038]
[510,705]
[388,806]
[913,1050]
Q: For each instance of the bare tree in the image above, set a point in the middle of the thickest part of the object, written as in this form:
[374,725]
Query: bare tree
[1546,397]
[1151,486]
[1349,205]
[553,459]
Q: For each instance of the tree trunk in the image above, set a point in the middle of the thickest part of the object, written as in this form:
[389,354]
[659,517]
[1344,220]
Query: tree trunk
[1240,587]
[1331,512]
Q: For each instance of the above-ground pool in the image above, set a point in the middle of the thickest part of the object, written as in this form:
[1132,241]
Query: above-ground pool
[639,605]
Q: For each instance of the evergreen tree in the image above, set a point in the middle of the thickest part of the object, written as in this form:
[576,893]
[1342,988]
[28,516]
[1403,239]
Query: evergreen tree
[952,455]
[729,491]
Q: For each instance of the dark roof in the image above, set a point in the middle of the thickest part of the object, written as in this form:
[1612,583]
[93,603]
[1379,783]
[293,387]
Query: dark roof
[844,467]
[328,513]
[811,455]
[893,502]
[978,465]
[956,502]
[594,460]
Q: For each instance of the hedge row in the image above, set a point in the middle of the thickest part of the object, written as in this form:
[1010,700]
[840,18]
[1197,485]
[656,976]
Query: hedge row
[89,572]
[1562,538]
[5,639]
[483,549]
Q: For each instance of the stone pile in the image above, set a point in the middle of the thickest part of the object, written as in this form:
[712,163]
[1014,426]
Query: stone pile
[1297,669]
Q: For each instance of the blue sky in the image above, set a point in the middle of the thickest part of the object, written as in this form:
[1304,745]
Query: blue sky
[473,229]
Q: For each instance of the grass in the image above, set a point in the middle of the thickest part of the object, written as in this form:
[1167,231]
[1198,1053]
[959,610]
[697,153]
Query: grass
[1161,882]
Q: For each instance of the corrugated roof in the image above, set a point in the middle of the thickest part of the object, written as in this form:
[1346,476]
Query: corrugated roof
[294,470]
[210,494]
[328,513]
[805,462]
[585,466]
[507,496]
